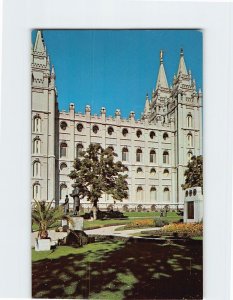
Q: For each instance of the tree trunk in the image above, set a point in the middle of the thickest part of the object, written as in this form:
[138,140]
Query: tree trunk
[94,209]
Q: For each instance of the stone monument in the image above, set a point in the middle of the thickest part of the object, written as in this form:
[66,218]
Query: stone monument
[78,221]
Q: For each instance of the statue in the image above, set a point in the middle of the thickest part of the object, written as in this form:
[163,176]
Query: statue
[66,205]
[75,195]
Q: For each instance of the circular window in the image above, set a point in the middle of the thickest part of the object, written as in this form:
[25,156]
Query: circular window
[190,193]
[186,194]
[139,133]
[194,192]
[125,132]
[152,172]
[63,125]
[110,130]
[152,135]
[79,127]
[165,136]
[63,166]
[95,128]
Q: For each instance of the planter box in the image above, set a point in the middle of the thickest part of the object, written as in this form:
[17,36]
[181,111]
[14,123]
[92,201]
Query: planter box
[42,245]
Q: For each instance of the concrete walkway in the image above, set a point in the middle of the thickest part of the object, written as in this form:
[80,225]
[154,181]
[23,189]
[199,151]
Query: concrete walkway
[110,230]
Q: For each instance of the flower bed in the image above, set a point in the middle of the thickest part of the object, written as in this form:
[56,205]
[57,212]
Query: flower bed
[140,224]
[182,229]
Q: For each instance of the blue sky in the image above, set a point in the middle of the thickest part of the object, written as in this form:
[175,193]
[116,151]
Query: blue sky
[116,68]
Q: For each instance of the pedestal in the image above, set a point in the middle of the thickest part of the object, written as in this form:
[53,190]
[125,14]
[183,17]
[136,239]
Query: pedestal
[78,223]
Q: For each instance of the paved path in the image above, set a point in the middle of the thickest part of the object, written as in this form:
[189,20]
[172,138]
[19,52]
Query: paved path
[110,230]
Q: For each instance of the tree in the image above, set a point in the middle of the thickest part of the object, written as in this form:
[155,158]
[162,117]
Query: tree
[194,173]
[95,172]
[46,217]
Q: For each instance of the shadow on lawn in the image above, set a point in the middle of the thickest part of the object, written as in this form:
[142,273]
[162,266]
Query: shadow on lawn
[135,270]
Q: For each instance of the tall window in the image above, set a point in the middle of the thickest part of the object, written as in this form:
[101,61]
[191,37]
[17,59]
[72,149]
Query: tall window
[165,157]
[125,154]
[36,146]
[36,169]
[63,191]
[190,140]
[153,194]
[152,156]
[36,191]
[139,155]
[166,195]
[63,150]
[37,124]
[79,149]
[189,121]
[139,194]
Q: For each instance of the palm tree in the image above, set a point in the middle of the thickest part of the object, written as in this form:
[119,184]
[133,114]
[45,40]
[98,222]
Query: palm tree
[46,217]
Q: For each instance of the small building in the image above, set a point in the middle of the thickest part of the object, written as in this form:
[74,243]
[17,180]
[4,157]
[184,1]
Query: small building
[193,205]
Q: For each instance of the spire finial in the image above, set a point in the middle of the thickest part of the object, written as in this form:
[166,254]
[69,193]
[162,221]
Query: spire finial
[161,56]
[181,52]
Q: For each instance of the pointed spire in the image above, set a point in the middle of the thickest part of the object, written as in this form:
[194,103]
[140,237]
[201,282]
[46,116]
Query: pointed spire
[53,72]
[162,79]
[39,44]
[147,104]
[182,67]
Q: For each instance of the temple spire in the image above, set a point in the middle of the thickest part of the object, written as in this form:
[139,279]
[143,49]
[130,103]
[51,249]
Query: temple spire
[162,79]
[39,43]
[147,105]
[182,67]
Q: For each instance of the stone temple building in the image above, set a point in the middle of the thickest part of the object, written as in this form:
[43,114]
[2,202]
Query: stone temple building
[155,149]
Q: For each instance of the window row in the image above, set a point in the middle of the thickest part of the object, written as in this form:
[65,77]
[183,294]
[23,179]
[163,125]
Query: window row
[153,194]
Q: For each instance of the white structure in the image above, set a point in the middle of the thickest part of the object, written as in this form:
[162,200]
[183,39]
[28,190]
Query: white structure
[193,205]
[155,148]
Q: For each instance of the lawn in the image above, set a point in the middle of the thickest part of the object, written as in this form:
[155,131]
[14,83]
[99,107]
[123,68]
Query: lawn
[171,217]
[119,270]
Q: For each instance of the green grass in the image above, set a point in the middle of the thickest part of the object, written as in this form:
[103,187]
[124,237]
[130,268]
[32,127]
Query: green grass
[171,217]
[119,270]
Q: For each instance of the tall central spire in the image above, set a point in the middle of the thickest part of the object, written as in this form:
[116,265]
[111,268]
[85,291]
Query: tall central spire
[182,67]
[162,79]
[39,44]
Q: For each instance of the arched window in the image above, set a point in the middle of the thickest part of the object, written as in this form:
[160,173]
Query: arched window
[36,146]
[165,157]
[139,171]
[139,194]
[125,154]
[110,130]
[139,133]
[63,125]
[125,132]
[80,127]
[190,155]
[63,150]
[189,121]
[36,169]
[139,155]
[152,134]
[165,136]
[152,156]
[37,124]
[152,172]
[153,194]
[166,195]
[190,140]
[126,170]
[95,129]
[79,149]
[110,148]
[36,191]
[63,166]
[166,172]
[63,191]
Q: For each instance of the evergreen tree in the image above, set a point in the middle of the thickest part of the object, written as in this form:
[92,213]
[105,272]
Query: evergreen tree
[95,172]
[194,173]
